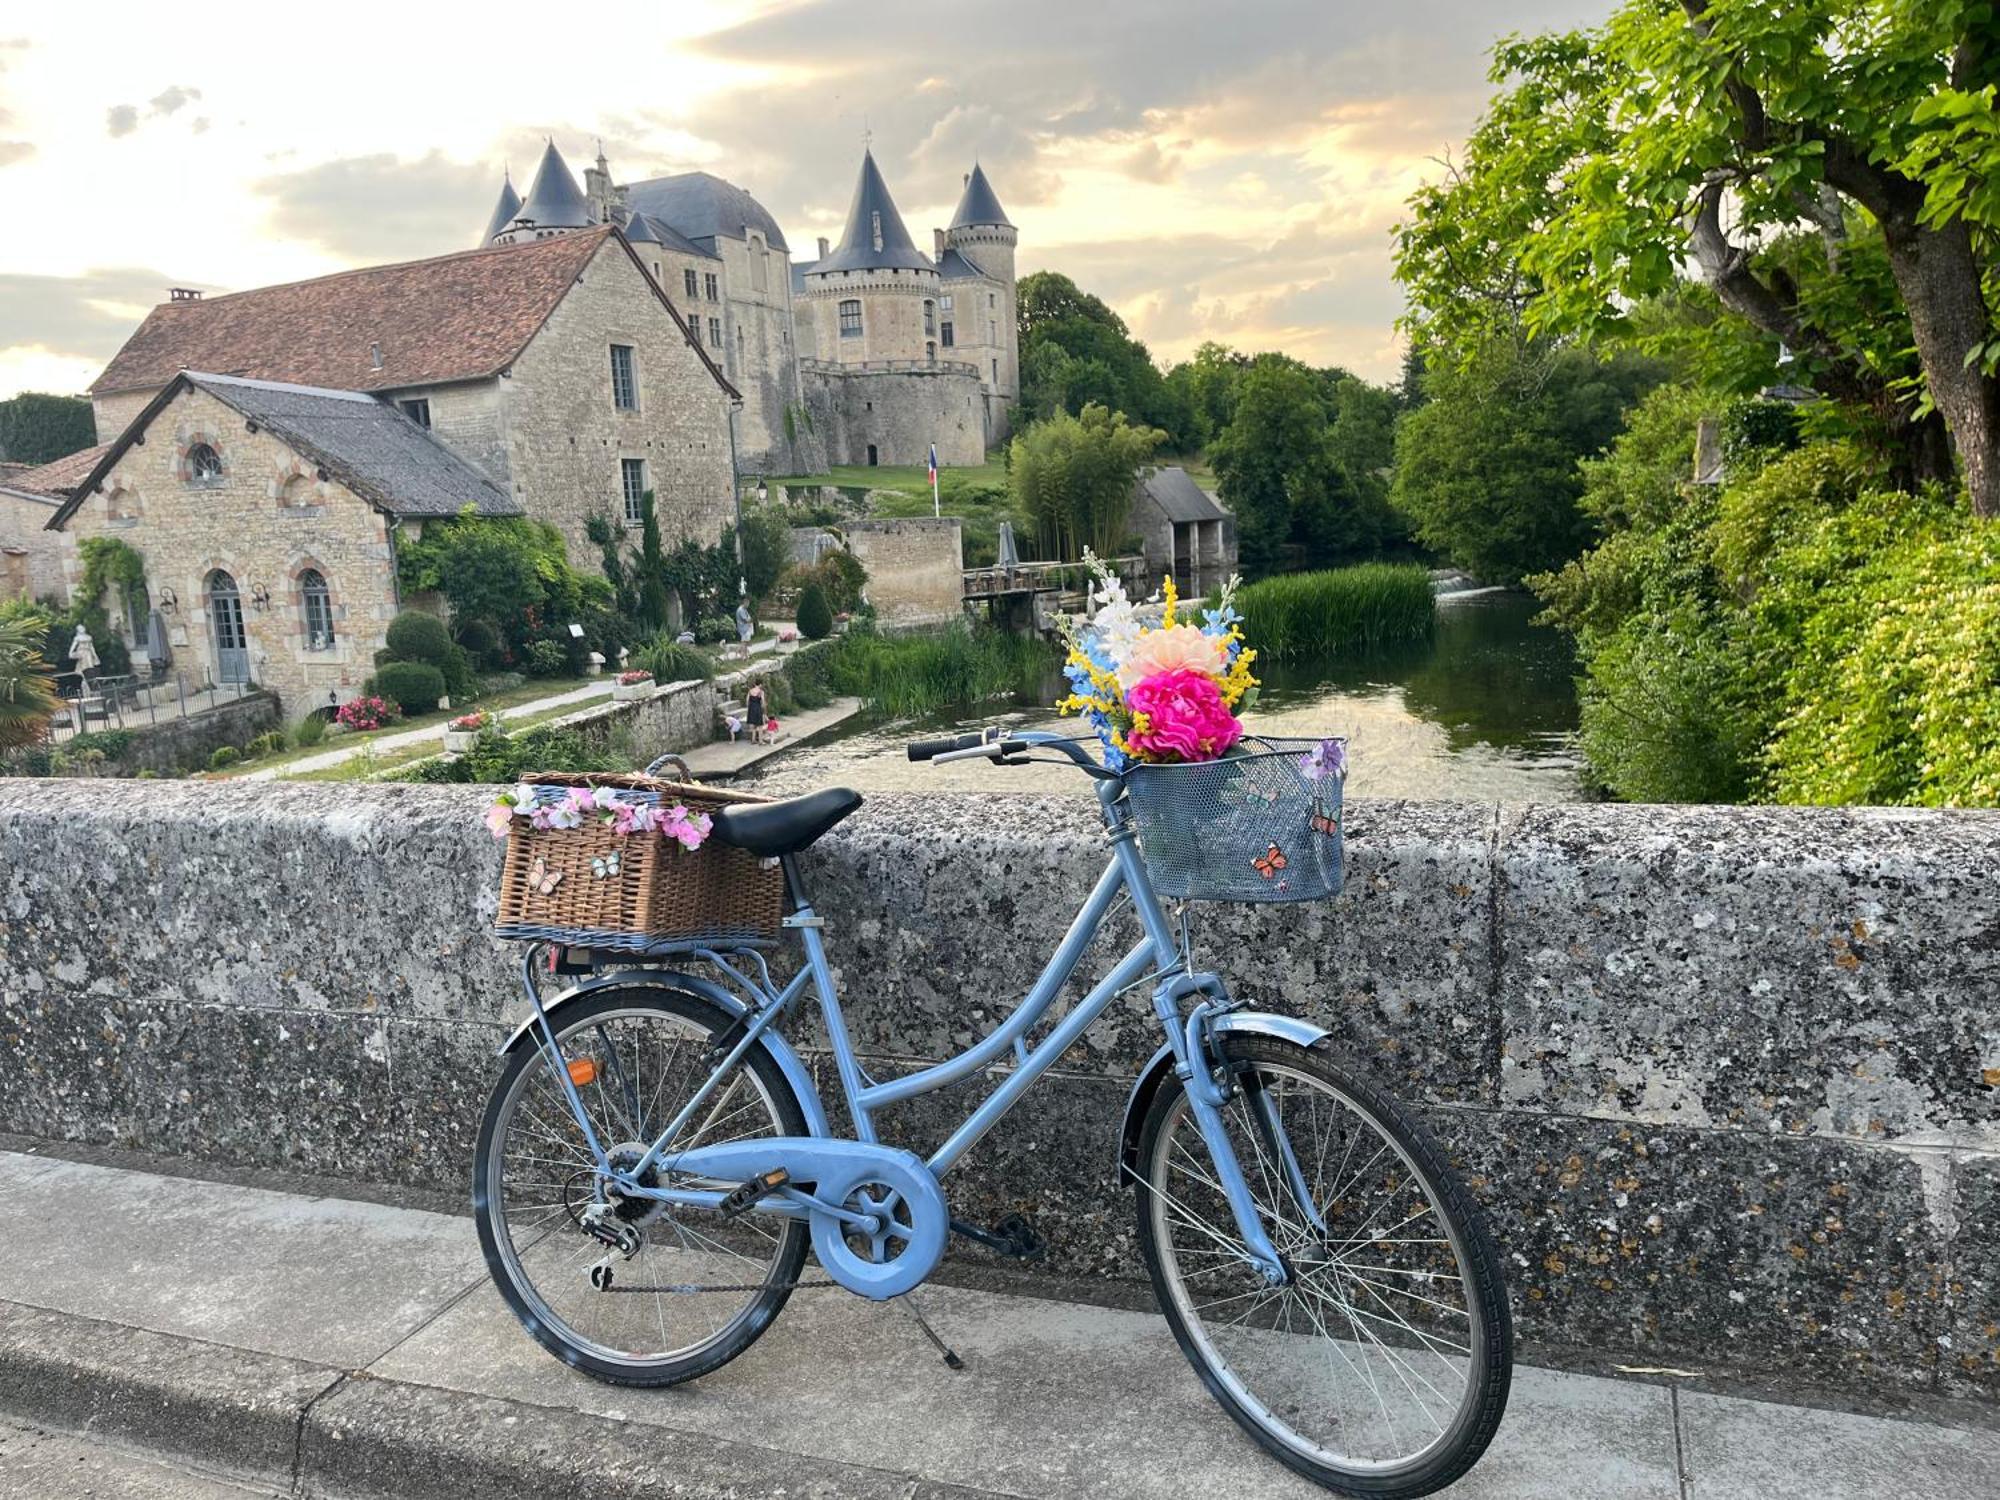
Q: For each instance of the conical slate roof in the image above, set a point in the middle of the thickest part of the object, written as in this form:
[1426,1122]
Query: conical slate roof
[875,237]
[980,205]
[554,200]
[503,212]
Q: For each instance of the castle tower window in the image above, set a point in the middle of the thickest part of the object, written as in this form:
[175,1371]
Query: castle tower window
[944,334]
[204,465]
[715,332]
[945,302]
[418,410]
[930,318]
[875,227]
[624,379]
[708,280]
[850,318]
[688,279]
[930,353]
[996,372]
[316,610]
[632,480]
[694,328]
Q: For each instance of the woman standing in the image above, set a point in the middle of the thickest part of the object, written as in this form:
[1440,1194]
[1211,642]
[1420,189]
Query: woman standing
[754,711]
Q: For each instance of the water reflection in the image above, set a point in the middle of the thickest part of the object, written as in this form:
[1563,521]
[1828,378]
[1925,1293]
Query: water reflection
[1483,711]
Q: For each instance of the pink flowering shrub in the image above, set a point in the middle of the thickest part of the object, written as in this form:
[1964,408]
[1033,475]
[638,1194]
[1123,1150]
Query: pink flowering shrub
[469,723]
[362,714]
[1180,715]
[633,679]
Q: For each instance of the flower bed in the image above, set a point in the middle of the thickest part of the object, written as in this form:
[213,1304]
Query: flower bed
[359,715]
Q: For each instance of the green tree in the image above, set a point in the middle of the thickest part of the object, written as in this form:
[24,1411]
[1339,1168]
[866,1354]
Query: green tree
[1275,444]
[1072,477]
[1206,386]
[767,540]
[1487,467]
[815,614]
[36,428]
[1832,167]
[1075,352]
[27,692]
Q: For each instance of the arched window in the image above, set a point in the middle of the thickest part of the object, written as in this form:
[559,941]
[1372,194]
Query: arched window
[850,318]
[317,608]
[204,464]
[298,493]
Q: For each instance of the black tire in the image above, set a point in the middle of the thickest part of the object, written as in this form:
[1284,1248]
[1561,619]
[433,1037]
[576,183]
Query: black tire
[526,1069]
[1168,1225]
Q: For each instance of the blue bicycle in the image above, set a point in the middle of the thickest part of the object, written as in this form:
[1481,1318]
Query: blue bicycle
[656,1158]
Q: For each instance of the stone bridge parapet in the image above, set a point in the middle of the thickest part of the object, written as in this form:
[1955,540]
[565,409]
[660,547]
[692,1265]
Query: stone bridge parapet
[1727,1079]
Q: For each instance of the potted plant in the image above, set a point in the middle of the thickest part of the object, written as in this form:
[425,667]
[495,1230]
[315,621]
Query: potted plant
[463,732]
[788,640]
[630,687]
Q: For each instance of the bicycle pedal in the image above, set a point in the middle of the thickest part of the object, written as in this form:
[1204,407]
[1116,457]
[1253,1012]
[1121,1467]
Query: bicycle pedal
[745,1196]
[1020,1233]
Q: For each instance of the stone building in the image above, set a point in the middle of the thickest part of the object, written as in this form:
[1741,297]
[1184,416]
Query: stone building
[867,355]
[556,365]
[718,252]
[1182,530]
[903,350]
[32,558]
[267,515]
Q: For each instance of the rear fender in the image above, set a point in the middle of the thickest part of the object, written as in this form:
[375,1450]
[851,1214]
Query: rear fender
[788,1061]
[1160,1067]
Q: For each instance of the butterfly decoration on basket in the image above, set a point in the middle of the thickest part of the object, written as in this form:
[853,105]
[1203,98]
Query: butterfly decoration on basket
[605,866]
[1242,792]
[1326,761]
[1270,862]
[541,879]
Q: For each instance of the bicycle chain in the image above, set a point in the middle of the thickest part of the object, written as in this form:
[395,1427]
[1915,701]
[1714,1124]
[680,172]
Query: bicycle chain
[691,1289]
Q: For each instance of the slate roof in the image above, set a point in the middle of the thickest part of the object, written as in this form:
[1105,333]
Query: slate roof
[643,228]
[453,317]
[873,206]
[703,206]
[54,480]
[360,440]
[1179,498]
[554,200]
[980,204]
[955,267]
[503,211]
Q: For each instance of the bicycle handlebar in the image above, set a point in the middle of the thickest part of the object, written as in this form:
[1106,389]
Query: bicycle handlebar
[931,749]
[990,742]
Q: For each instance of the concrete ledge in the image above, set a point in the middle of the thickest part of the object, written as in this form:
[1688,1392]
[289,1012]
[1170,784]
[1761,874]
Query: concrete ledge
[225,1407]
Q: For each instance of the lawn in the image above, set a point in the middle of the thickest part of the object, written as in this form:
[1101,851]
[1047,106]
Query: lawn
[527,692]
[910,479]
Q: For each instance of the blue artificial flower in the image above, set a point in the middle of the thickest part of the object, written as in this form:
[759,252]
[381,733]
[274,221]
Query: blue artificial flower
[1218,621]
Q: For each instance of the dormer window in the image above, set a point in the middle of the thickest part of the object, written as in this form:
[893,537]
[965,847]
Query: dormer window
[875,221]
[204,465]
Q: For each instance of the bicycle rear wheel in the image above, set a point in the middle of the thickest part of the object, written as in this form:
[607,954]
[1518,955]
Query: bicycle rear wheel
[700,1288]
[1381,1367]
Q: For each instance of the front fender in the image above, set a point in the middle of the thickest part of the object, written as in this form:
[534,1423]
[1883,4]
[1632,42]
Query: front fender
[1160,1067]
[788,1061]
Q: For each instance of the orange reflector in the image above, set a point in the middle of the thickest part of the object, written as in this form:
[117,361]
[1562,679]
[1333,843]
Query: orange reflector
[583,1072]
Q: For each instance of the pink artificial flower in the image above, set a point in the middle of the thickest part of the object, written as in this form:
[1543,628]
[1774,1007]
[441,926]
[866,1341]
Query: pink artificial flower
[583,799]
[1186,718]
[1171,649]
[500,819]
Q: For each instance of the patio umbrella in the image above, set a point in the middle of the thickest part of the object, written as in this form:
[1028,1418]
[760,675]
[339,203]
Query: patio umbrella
[159,655]
[1010,555]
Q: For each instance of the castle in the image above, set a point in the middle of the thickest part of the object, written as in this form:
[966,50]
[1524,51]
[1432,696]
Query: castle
[867,355]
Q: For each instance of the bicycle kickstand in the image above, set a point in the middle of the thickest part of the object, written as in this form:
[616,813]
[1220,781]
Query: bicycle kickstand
[951,1359]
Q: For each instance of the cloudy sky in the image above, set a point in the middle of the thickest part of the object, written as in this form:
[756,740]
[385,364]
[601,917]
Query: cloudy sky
[1223,169]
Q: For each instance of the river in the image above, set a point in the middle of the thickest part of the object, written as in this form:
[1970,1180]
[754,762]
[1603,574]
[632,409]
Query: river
[1483,711]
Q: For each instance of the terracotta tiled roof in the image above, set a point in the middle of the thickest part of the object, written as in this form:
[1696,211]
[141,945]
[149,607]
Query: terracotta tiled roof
[58,478]
[453,317]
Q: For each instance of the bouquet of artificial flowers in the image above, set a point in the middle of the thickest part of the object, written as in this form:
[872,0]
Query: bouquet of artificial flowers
[1158,693]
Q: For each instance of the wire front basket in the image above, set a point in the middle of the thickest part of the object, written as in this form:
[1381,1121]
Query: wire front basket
[1261,825]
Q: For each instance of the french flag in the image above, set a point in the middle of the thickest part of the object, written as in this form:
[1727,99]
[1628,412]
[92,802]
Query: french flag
[933,474]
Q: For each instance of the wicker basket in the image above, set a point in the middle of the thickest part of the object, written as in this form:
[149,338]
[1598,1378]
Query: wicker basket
[662,893]
[1249,827]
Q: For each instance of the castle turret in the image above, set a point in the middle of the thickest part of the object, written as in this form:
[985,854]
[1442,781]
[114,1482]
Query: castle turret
[875,297]
[554,204]
[985,237]
[503,211]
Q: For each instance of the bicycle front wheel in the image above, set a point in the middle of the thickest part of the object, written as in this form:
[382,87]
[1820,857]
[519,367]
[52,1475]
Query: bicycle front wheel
[697,1289]
[1381,1366]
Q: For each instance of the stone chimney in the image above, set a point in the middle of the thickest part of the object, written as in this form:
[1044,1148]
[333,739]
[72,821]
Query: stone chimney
[824,249]
[937,238]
